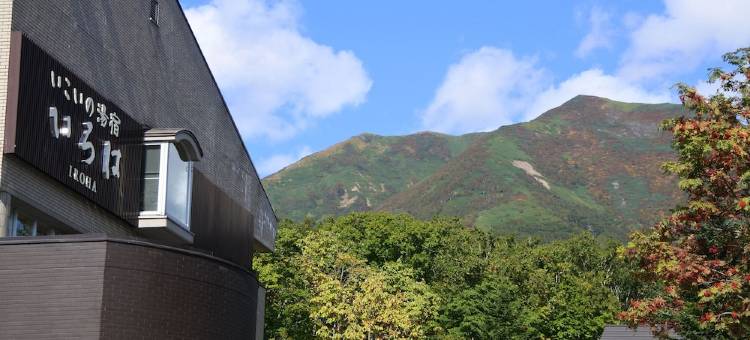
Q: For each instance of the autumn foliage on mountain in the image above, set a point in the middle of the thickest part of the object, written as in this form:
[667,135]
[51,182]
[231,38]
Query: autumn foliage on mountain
[590,164]
[700,255]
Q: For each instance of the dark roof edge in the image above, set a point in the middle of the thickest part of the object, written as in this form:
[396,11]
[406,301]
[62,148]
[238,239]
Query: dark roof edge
[221,95]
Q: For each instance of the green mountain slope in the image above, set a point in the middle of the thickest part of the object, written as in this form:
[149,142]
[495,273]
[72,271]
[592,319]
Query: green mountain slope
[590,164]
[360,173]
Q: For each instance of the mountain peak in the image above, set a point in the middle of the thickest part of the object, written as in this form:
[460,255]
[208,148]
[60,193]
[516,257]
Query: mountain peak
[584,98]
[584,101]
[590,163]
[583,108]
[366,136]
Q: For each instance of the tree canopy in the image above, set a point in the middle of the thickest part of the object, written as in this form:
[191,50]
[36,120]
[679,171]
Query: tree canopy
[700,254]
[379,275]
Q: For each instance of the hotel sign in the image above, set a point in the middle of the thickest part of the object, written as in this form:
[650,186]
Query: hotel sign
[63,127]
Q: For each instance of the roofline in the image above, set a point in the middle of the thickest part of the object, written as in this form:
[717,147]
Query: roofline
[224,102]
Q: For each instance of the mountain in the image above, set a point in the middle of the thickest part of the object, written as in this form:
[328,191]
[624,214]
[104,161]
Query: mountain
[591,163]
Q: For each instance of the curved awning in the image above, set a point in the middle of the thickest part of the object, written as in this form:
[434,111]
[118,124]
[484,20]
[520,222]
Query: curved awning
[184,140]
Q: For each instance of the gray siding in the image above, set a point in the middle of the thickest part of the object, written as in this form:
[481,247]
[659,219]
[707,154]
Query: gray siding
[158,76]
[619,332]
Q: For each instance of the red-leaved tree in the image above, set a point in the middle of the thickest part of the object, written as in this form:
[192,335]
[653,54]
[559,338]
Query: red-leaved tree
[699,257]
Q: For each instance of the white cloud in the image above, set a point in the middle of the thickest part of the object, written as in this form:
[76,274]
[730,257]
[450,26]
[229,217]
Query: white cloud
[485,89]
[600,35]
[277,162]
[276,81]
[706,89]
[689,32]
[490,88]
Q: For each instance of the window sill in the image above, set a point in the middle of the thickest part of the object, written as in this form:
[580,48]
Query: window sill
[160,227]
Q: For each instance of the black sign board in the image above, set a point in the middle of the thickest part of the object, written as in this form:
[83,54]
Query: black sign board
[63,127]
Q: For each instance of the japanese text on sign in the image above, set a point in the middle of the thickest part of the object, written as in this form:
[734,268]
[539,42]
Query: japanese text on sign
[60,126]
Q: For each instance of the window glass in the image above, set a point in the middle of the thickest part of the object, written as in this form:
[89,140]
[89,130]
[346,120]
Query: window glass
[151,157]
[178,187]
[28,221]
[43,229]
[23,226]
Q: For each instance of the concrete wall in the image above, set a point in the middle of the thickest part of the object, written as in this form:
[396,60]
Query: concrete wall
[156,74]
[92,287]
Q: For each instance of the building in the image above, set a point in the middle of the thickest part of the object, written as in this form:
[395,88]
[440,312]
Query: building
[129,206]
[622,332]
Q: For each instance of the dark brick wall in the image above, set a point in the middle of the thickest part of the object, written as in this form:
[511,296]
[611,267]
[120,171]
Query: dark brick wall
[160,294]
[155,74]
[89,287]
[51,290]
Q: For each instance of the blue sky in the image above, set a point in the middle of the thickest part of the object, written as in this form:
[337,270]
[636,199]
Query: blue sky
[300,76]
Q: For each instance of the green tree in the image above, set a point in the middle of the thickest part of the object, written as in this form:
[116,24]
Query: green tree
[380,275]
[287,291]
[567,284]
[700,254]
[489,310]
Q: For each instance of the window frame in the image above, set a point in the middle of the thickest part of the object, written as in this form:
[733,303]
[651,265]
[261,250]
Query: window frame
[15,222]
[162,194]
[41,222]
[154,12]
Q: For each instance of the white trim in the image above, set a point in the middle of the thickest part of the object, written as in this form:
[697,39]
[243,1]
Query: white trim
[190,193]
[164,228]
[163,167]
[162,182]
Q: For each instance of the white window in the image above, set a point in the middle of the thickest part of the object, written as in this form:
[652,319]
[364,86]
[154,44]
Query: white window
[167,184]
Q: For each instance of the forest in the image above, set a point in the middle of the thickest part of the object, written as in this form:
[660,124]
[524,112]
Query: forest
[379,275]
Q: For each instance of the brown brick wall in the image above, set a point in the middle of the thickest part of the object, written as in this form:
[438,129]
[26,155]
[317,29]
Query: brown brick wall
[89,287]
[51,290]
[170,295]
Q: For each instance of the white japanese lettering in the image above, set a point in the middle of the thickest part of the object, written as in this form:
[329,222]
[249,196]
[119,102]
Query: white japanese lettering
[84,143]
[114,124]
[55,128]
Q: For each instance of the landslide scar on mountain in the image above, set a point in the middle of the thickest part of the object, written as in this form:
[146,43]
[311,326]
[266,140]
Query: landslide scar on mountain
[526,167]
[347,201]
